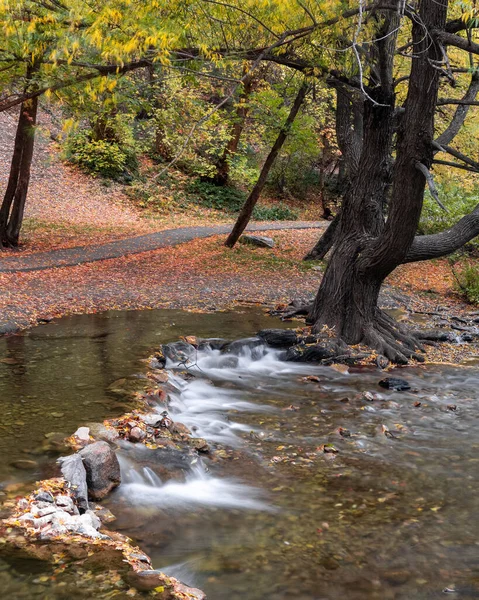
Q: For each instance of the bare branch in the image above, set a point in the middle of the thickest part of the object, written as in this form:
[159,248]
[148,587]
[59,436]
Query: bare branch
[448,163]
[450,39]
[445,101]
[430,182]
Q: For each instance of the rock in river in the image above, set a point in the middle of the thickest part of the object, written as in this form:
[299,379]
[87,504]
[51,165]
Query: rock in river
[395,383]
[102,469]
[279,338]
[73,470]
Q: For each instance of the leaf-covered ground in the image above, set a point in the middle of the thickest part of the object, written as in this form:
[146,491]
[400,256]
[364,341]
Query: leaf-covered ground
[199,275]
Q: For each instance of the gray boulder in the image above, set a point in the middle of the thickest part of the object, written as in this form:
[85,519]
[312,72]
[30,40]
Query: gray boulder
[279,338]
[260,241]
[73,470]
[102,469]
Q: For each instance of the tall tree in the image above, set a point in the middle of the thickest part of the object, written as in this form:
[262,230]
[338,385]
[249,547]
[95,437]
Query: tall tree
[248,207]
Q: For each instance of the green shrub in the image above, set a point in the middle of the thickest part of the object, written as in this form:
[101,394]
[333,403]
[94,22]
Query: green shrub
[467,280]
[113,156]
[458,203]
[227,199]
[280,212]
[230,200]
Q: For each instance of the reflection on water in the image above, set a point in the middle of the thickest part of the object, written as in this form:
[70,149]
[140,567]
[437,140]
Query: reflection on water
[58,376]
[390,516]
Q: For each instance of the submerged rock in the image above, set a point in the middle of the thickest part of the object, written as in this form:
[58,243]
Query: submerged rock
[102,469]
[150,580]
[24,465]
[279,338]
[395,383]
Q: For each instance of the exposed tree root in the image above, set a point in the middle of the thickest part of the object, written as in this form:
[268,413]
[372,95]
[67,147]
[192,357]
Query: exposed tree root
[295,309]
[392,340]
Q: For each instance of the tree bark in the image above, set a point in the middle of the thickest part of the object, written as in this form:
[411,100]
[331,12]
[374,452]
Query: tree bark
[426,247]
[349,135]
[13,205]
[368,247]
[325,242]
[248,207]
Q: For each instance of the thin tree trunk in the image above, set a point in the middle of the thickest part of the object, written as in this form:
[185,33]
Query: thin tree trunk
[349,135]
[13,204]
[18,208]
[13,176]
[222,174]
[248,207]
[325,242]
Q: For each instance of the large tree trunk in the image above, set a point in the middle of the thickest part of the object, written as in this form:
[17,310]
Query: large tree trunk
[221,177]
[248,207]
[13,205]
[349,136]
[367,248]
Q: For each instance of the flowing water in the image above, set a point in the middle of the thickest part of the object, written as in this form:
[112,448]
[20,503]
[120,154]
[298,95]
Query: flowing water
[291,506]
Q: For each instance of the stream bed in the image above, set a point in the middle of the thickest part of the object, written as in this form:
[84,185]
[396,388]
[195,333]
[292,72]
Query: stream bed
[313,491]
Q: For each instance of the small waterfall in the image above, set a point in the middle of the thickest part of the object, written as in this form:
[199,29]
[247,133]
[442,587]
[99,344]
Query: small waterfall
[142,487]
[206,403]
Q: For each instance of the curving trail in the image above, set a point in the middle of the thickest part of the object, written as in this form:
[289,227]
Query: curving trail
[68,257]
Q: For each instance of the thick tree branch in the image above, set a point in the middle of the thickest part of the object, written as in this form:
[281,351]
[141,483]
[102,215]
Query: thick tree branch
[460,156]
[426,247]
[450,39]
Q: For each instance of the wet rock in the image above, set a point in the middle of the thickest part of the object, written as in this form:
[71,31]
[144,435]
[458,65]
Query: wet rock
[136,435]
[239,346]
[279,338]
[395,383]
[44,497]
[212,344]
[105,515]
[179,351]
[101,432]
[200,445]
[435,335]
[193,593]
[73,470]
[102,469]
[179,428]
[24,465]
[261,241]
[146,581]
[316,353]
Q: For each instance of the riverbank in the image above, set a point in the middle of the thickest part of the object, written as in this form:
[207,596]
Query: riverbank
[203,275]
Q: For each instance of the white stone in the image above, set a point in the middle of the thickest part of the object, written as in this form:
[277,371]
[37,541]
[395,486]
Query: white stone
[83,434]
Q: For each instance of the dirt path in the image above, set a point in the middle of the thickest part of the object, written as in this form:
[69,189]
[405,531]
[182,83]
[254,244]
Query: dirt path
[67,257]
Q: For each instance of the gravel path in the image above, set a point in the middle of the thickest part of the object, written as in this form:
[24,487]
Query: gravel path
[69,257]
